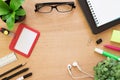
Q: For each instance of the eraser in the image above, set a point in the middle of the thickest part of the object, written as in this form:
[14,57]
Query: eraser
[115,36]
[99,41]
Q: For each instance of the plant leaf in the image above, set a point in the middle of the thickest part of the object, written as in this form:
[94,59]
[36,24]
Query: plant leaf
[20,12]
[4,8]
[16,17]
[10,21]
[5,17]
[15,4]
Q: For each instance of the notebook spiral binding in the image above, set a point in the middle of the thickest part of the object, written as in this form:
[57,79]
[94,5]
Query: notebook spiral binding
[93,13]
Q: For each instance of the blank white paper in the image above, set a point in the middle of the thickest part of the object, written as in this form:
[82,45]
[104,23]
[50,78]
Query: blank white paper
[105,10]
[25,41]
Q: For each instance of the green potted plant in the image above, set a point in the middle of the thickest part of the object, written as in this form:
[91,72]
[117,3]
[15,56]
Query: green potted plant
[11,11]
[108,69]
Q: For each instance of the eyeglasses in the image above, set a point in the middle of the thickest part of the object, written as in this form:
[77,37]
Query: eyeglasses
[59,6]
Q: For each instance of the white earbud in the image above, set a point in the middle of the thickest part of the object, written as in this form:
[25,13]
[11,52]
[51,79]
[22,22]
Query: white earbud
[75,64]
[69,69]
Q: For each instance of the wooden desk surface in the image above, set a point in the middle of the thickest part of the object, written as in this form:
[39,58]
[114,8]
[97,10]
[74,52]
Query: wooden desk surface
[64,38]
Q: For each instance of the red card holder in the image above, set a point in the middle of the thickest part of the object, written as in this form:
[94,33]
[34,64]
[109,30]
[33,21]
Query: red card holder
[24,40]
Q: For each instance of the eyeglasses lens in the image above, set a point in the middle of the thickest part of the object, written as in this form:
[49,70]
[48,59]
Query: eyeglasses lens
[64,8]
[45,9]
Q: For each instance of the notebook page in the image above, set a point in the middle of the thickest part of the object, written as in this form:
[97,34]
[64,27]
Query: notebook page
[25,40]
[105,10]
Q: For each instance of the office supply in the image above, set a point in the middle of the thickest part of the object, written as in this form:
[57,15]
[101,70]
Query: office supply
[107,54]
[7,59]
[16,74]
[24,40]
[112,47]
[6,32]
[101,14]
[115,36]
[25,76]
[59,6]
[99,41]
[75,64]
[11,70]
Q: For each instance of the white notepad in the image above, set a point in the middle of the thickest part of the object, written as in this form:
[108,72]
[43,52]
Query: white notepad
[24,40]
[104,11]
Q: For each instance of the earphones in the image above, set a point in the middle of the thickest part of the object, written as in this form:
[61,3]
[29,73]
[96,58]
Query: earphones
[75,64]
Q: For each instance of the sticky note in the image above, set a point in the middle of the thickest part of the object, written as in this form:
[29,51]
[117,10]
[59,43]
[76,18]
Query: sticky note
[115,36]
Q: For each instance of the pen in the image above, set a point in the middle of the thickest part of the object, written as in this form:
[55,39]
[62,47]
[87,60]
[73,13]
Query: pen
[24,77]
[107,54]
[112,47]
[13,69]
[15,74]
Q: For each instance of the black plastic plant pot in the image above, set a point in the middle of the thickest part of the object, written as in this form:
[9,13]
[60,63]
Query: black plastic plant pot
[21,18]
[7,1]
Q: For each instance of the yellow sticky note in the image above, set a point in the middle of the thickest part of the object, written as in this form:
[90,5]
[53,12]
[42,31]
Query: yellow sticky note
[115,36]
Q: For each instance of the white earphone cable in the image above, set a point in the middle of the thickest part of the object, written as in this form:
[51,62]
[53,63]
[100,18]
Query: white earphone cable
[75,64]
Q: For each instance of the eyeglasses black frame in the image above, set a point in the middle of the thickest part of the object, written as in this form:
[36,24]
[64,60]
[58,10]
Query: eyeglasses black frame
[54,5]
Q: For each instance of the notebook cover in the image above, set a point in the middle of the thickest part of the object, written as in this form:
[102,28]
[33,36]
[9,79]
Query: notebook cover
[16,37]
[86,10]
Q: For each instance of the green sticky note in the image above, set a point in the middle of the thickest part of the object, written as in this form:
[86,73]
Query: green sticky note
[115,36]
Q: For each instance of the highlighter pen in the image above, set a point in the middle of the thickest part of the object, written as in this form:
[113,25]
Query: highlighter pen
[112,47]
[6,32]
[107,54]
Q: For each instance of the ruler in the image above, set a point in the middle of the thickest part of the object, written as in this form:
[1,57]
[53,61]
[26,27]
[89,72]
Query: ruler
[7,59]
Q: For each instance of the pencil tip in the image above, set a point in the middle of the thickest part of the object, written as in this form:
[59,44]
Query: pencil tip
[25,63]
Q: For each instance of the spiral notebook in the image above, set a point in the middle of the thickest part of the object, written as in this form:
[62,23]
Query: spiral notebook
[101,14]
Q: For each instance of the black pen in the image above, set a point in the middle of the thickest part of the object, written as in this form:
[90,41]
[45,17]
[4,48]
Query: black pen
[15,74]
[24,77]
[13,69]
